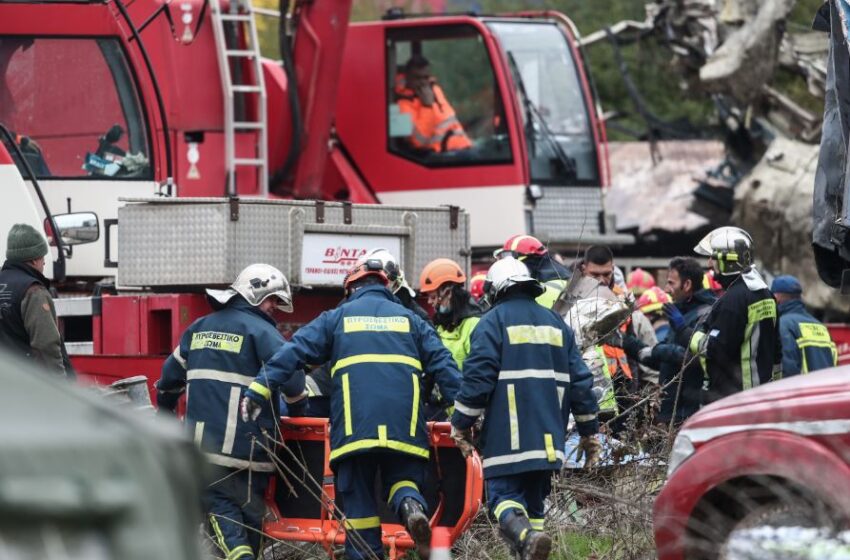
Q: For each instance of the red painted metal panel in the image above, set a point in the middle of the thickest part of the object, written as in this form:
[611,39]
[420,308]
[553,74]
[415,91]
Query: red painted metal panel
[120,325]
[840,333]
[105,370]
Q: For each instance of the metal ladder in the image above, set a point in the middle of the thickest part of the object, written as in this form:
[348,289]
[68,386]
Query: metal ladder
[240,18]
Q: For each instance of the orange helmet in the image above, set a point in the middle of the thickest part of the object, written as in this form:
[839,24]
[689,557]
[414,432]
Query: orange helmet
[476,285]
[640,281]
[652,300]
[438,272]
[711,283]
[369,267]
[521,246]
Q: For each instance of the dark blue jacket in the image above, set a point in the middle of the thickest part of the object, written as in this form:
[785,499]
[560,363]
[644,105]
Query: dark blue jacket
[525,374]
[806,344]
[218,357]
[669,357]
[378,350]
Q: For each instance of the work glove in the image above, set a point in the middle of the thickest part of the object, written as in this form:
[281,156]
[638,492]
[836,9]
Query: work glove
[250,409]
[674,316]
[463,440]
[589,448]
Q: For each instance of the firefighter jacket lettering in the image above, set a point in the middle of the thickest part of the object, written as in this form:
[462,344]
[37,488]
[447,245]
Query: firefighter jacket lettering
[377,350]
[806,344]
[218,356]
[526,375]
[738,342]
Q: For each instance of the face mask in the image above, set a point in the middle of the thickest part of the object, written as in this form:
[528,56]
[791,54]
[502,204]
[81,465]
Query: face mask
[444,309]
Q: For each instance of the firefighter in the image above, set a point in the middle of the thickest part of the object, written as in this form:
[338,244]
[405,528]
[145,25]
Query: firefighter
[435,124]
[476,287]
[28,324]
[739,340]
[540,263]
[627,375]
[691,304]
[217,357]
[456,313]
[319,382]
[525,375]
[378,350]
[806,344]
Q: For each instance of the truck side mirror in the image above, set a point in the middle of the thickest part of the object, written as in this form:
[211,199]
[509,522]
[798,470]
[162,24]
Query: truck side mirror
[76,229]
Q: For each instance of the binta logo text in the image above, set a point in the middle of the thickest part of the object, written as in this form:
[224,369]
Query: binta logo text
[342,255]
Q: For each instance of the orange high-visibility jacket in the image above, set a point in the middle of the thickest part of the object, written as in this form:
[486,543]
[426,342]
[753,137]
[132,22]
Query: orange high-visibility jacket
[436,127]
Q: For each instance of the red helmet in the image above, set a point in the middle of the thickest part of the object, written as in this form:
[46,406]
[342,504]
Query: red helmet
[640,281]
[476,285]
[369,267]
[652,300]
[709,282]
[521,246]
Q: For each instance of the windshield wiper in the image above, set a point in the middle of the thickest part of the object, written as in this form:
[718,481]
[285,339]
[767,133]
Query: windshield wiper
[533,116]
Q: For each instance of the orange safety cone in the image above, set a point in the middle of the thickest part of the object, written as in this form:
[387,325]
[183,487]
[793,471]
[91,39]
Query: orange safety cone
[441,544]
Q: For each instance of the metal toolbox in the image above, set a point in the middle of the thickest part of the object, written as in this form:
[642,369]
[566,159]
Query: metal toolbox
[172,242]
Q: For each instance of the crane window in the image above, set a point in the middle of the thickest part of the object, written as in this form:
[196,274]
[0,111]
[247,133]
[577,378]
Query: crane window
[73,107]
[444,104]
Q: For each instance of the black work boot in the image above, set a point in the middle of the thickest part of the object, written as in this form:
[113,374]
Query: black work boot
[515,528]
[415,520]
[536,546]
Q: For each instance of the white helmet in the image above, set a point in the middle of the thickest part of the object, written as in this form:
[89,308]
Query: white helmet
[256,283]
[507,272]
[730,247]
[394,273]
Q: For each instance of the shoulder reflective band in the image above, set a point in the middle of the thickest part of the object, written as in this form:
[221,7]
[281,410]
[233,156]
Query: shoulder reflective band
[696,343]
[535,334]
[376,324]
[212,340]
[378,359]
[260,389]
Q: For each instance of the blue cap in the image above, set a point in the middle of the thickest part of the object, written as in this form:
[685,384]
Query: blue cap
[786,284]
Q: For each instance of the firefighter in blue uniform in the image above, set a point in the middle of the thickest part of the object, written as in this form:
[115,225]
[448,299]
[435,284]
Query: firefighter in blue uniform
[806,343]
[218,356]
[378,351]
[525,374]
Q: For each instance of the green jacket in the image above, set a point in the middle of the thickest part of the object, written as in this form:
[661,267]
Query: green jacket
[457,341]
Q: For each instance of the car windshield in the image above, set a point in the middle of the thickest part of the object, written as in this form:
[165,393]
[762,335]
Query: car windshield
[72,105]
[562,149]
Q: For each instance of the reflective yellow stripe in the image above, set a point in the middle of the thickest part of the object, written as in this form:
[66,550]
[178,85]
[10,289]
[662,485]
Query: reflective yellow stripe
[240,552]
[695,345]
[535,334]
[761,310]
[414,417]
[399,485]
[382,435]
[377,358]
[376,324]
[523,535]
[360,523]
[513,417]
[261,390]
[373,443]
[218,535]
[550,448]
[506,505]
[346,404]
[746,358]
[536,524]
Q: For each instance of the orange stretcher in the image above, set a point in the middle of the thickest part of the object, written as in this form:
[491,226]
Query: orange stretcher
[453,489]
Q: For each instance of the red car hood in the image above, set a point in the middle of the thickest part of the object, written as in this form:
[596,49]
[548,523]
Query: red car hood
[822,395]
